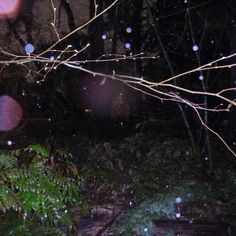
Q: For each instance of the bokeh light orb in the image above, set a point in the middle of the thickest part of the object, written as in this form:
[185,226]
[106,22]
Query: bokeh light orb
[195,48]
[177,215]
[104,36]
[178,200]
[29,48]
[10,113]
[127,45]
[9,8]
[201,77]
[128,30]
[9,142]
[52,58]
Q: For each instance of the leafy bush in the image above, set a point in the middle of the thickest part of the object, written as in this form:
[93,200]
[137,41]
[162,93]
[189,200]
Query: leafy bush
[146,164]
[141,162]
[39,185]
[155,170]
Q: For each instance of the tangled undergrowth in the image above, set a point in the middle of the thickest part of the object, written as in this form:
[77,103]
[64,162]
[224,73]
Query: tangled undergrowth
[38,186]
[153,171]
[42,190]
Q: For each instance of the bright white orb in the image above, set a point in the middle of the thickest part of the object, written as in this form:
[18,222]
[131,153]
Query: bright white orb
[127,45]
[178,215]
[9,142]
[201,77]
[104,36]
[52,58]
[128,30]
[195,48]
[178,200]
[29,48]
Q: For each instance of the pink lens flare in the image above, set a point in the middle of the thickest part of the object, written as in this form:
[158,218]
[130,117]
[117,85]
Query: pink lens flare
[10,113]
[9,8]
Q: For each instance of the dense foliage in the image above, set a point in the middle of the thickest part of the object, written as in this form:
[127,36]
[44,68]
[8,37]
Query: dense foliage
[42,188]
[38,186]
[152,171]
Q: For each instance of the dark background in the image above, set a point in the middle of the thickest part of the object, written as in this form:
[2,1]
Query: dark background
[70,102]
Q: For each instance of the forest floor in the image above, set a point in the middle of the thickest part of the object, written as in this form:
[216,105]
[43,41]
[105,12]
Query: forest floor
[105,216]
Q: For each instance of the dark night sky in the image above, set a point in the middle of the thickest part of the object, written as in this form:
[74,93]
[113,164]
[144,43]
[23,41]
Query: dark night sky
[180,35]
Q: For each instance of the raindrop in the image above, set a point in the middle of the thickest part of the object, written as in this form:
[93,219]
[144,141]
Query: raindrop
[29,48]
[103,81]
[24,216]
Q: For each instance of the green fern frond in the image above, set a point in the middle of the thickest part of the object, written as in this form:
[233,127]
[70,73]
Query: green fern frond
[39,149]
[38,188]
[7,161]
